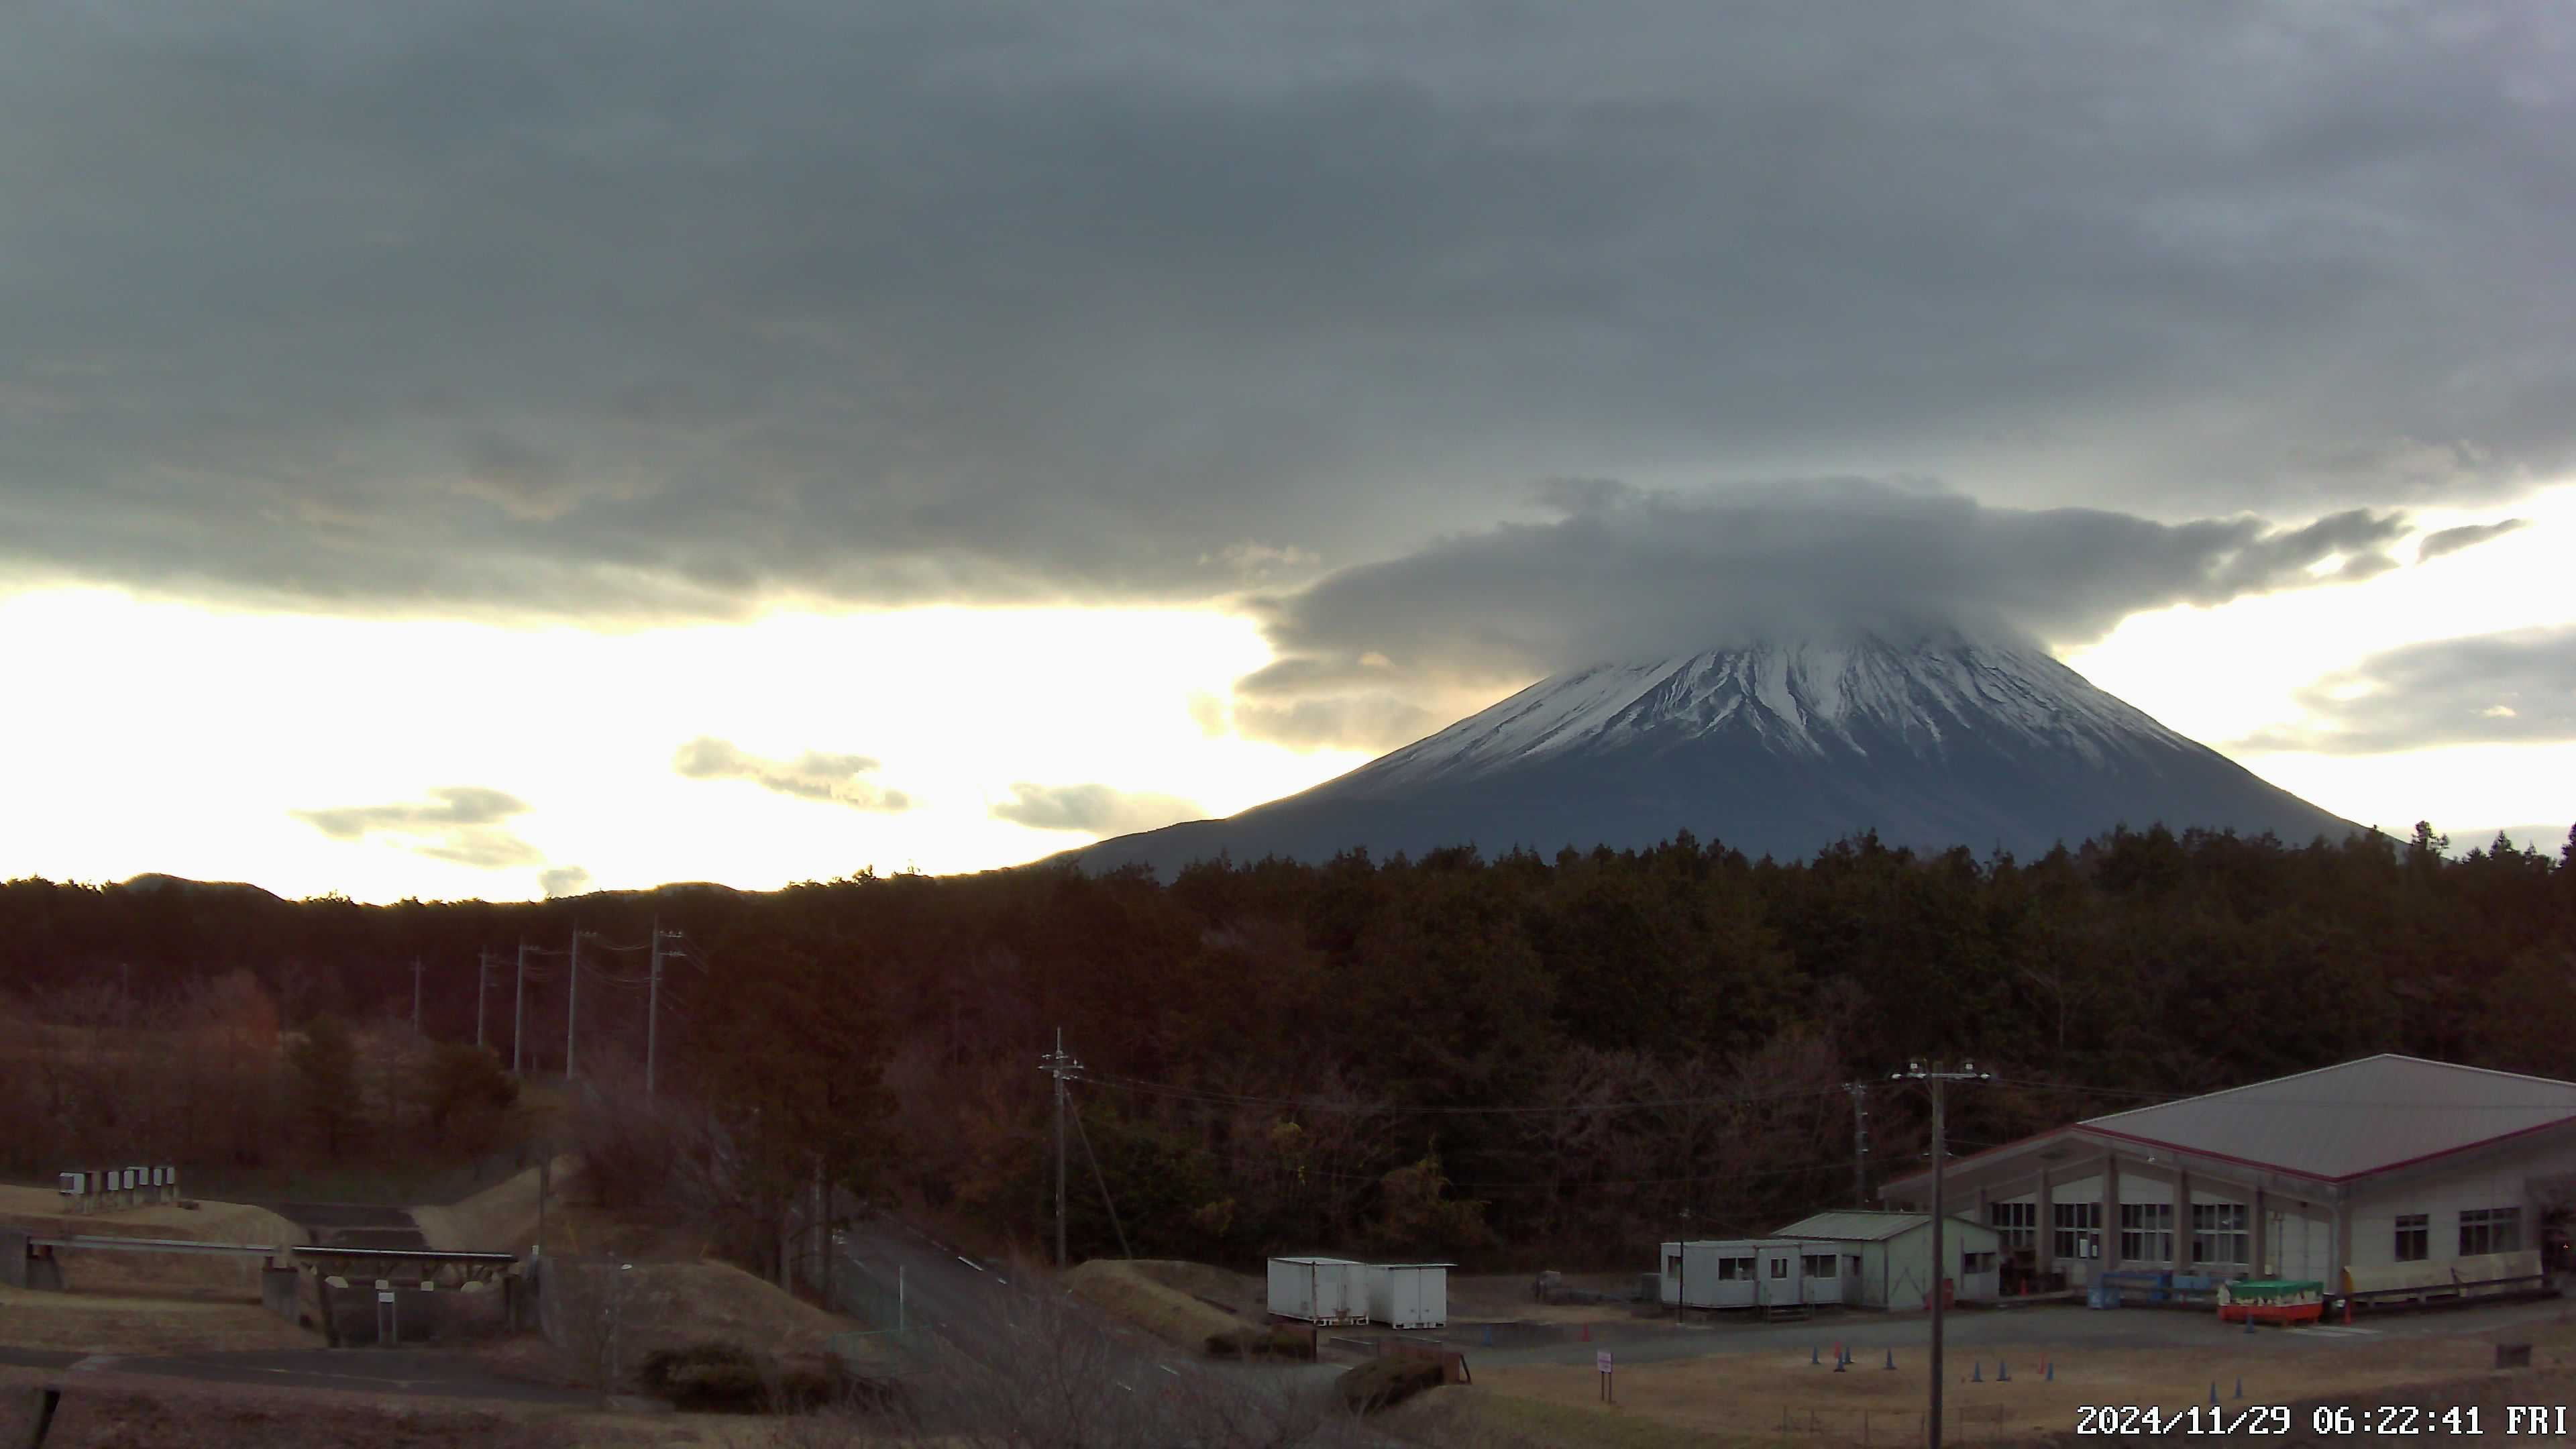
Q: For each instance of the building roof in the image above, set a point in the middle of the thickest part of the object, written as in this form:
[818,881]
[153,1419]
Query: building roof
[1855,1225]
[2351,1120]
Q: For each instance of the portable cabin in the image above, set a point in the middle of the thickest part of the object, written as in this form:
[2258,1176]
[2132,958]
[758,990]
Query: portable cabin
[1409,1295]
[1737,1273]
[1321,1291]
[1884,1260]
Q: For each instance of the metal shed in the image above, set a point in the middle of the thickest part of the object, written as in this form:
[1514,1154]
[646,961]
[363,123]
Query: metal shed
[1322,1291]
[1886,1258]
[1409,1295]
[1738,1273]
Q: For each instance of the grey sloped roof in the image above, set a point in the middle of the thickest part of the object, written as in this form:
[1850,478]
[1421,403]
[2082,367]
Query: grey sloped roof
[2349,1120]
[1856,1225]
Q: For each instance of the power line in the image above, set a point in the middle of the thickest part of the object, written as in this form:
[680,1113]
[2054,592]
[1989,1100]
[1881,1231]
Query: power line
[1232,1099]
[1275,1164]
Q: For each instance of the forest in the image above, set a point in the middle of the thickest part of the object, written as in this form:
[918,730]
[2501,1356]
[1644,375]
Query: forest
[1504,1062]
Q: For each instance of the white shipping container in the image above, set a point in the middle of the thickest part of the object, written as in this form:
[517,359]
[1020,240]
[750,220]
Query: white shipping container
[1409,1295]
[1323,1291]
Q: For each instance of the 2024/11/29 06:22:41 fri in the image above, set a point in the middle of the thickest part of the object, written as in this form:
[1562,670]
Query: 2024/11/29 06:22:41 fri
[2396,1421]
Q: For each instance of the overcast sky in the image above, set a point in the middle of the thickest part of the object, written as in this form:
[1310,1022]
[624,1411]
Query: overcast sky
[439,440]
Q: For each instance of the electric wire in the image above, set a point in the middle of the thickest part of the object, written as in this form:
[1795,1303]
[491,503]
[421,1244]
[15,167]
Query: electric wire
[1311,1104]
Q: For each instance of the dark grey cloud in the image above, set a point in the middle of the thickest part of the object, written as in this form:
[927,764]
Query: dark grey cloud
[812,775]
[2517,687]
[564,880]
[467,824]
[2452,540]
[1634,574]
[1096,809]
[481,306]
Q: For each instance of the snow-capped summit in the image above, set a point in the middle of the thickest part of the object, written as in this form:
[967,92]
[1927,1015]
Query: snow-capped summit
[1797,699]
[1777,748]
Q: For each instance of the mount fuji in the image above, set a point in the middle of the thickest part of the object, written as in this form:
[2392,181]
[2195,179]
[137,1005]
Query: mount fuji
[1777,749]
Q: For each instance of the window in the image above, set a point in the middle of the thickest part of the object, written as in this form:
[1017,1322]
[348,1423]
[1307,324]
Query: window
[2146,1232]
[2490,1230]
[2014,1222]
[2218,1232]
[1820,1265]
[1779,1267]
[1734,1270]
[1976,1262]
[2079,1229]
[1673,1266]
[2414,1237]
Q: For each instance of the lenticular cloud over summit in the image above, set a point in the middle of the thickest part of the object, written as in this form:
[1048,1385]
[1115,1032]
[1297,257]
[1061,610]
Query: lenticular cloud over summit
[1626,575]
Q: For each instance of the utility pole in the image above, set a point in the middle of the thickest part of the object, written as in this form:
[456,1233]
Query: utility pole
[1860,1142]
[572,1008]
[1059,1066]
[1940,1159]
[415,996]
[519,1008]
[482,979]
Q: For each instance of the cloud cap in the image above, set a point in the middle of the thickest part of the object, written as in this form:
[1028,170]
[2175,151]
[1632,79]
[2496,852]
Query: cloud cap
[1626,574]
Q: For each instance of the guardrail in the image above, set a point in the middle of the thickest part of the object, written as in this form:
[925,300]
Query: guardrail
[86,1242]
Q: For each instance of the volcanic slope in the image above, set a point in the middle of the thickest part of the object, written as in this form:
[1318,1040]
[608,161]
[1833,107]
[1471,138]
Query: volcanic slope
[1779,750]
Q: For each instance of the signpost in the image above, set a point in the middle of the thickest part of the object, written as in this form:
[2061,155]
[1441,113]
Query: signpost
[1601,1363]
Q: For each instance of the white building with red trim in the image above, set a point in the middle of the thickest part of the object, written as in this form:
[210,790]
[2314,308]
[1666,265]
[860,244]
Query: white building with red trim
[2421,1178]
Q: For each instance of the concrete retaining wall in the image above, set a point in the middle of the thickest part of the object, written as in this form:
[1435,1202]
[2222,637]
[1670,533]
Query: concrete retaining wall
[281,1292]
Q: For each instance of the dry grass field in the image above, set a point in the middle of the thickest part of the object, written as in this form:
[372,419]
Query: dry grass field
[93,1323]
[1756,1396]
[160,1274]
[119,1411]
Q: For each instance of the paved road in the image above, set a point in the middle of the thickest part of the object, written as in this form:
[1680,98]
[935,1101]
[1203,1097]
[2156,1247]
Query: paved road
[365,1371]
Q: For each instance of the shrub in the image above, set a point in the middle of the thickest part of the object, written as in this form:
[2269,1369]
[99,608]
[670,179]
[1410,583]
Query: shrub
[720,1377]
[710,1377]
[1259,1342]
[1383,1382]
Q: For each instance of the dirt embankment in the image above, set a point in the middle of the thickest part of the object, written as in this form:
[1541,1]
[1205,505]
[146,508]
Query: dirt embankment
[159,1275]
[503,1218]
[1168,1299]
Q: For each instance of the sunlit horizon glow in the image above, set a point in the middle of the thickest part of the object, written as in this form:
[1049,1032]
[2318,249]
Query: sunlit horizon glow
[176,738]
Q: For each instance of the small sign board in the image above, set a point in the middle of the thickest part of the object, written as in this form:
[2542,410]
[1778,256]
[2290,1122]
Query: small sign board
[1601,1360]
[384,1295]
[72,1184]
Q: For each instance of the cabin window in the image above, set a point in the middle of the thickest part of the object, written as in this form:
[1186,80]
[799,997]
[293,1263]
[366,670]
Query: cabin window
[2218,1232]
[2014,1222]
[1976,1262]
[2079,1229]
[1673,1266]
[1734,1270]
[2146,1232]
[2414,1237]
[1820,1265]
[1779,1267]
[2490,1230]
